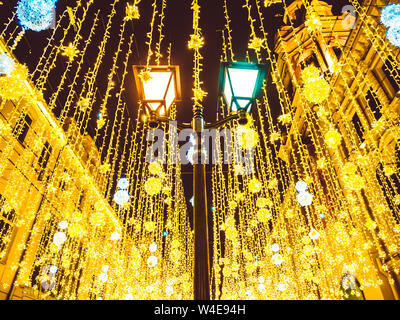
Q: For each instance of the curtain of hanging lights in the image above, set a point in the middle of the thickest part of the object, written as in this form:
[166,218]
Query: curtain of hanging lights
[283,230]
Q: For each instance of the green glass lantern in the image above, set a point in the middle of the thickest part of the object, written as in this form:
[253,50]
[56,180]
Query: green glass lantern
[240,84]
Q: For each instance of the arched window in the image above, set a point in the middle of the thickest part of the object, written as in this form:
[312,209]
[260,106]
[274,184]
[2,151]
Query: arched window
[350,288]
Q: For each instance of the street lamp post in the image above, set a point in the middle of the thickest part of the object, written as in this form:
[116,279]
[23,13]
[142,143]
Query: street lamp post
[158,87]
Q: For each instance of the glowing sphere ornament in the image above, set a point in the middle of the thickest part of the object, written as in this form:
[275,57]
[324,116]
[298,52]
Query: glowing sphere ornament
[247,138]
[153,247]
[6,64]
[317,91]
[59,238]
[277,259]
[105,268]
[103,277]
[153,186]
[121,197]
[123,183]
[70,51]
[233,205]
[169,290]
[115,236]
[314,234]
[262,202]
[316,88]
[12,87]
[155,168]
[281,287]
[53,269]
[152,261]
[304,198]
[393,35]
[390,15]
[261,288]
[332,138]
[63,225]
[36,15]
[275,247]
[132,12]
[255,185]
[264,215]
[97,218]
[310,73]
[301,186]
[76,230]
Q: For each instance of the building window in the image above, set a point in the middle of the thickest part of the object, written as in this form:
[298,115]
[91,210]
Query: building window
[22,127]
[392,73]
[44,159]
[358,126]
[338,52]
[373,103]
[311,60]
[7,220]
[63,182]
[350,288]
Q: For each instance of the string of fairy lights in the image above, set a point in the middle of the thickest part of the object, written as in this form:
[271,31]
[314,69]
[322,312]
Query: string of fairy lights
[312,213]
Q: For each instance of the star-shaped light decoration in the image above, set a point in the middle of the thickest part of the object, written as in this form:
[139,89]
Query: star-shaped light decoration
[313,23]
[256,44]
[145,75]
[275,136]
[199,94]
[132,12]
[84,103]
[196,42]
[285,119]
[70,51]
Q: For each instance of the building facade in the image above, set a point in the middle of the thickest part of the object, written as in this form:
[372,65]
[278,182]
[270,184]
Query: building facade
[346,143]
[54,218]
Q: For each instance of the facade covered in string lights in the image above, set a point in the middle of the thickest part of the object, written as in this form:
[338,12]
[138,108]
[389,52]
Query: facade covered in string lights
[88,213]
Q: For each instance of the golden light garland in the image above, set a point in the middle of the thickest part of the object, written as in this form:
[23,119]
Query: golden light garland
[316,208]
